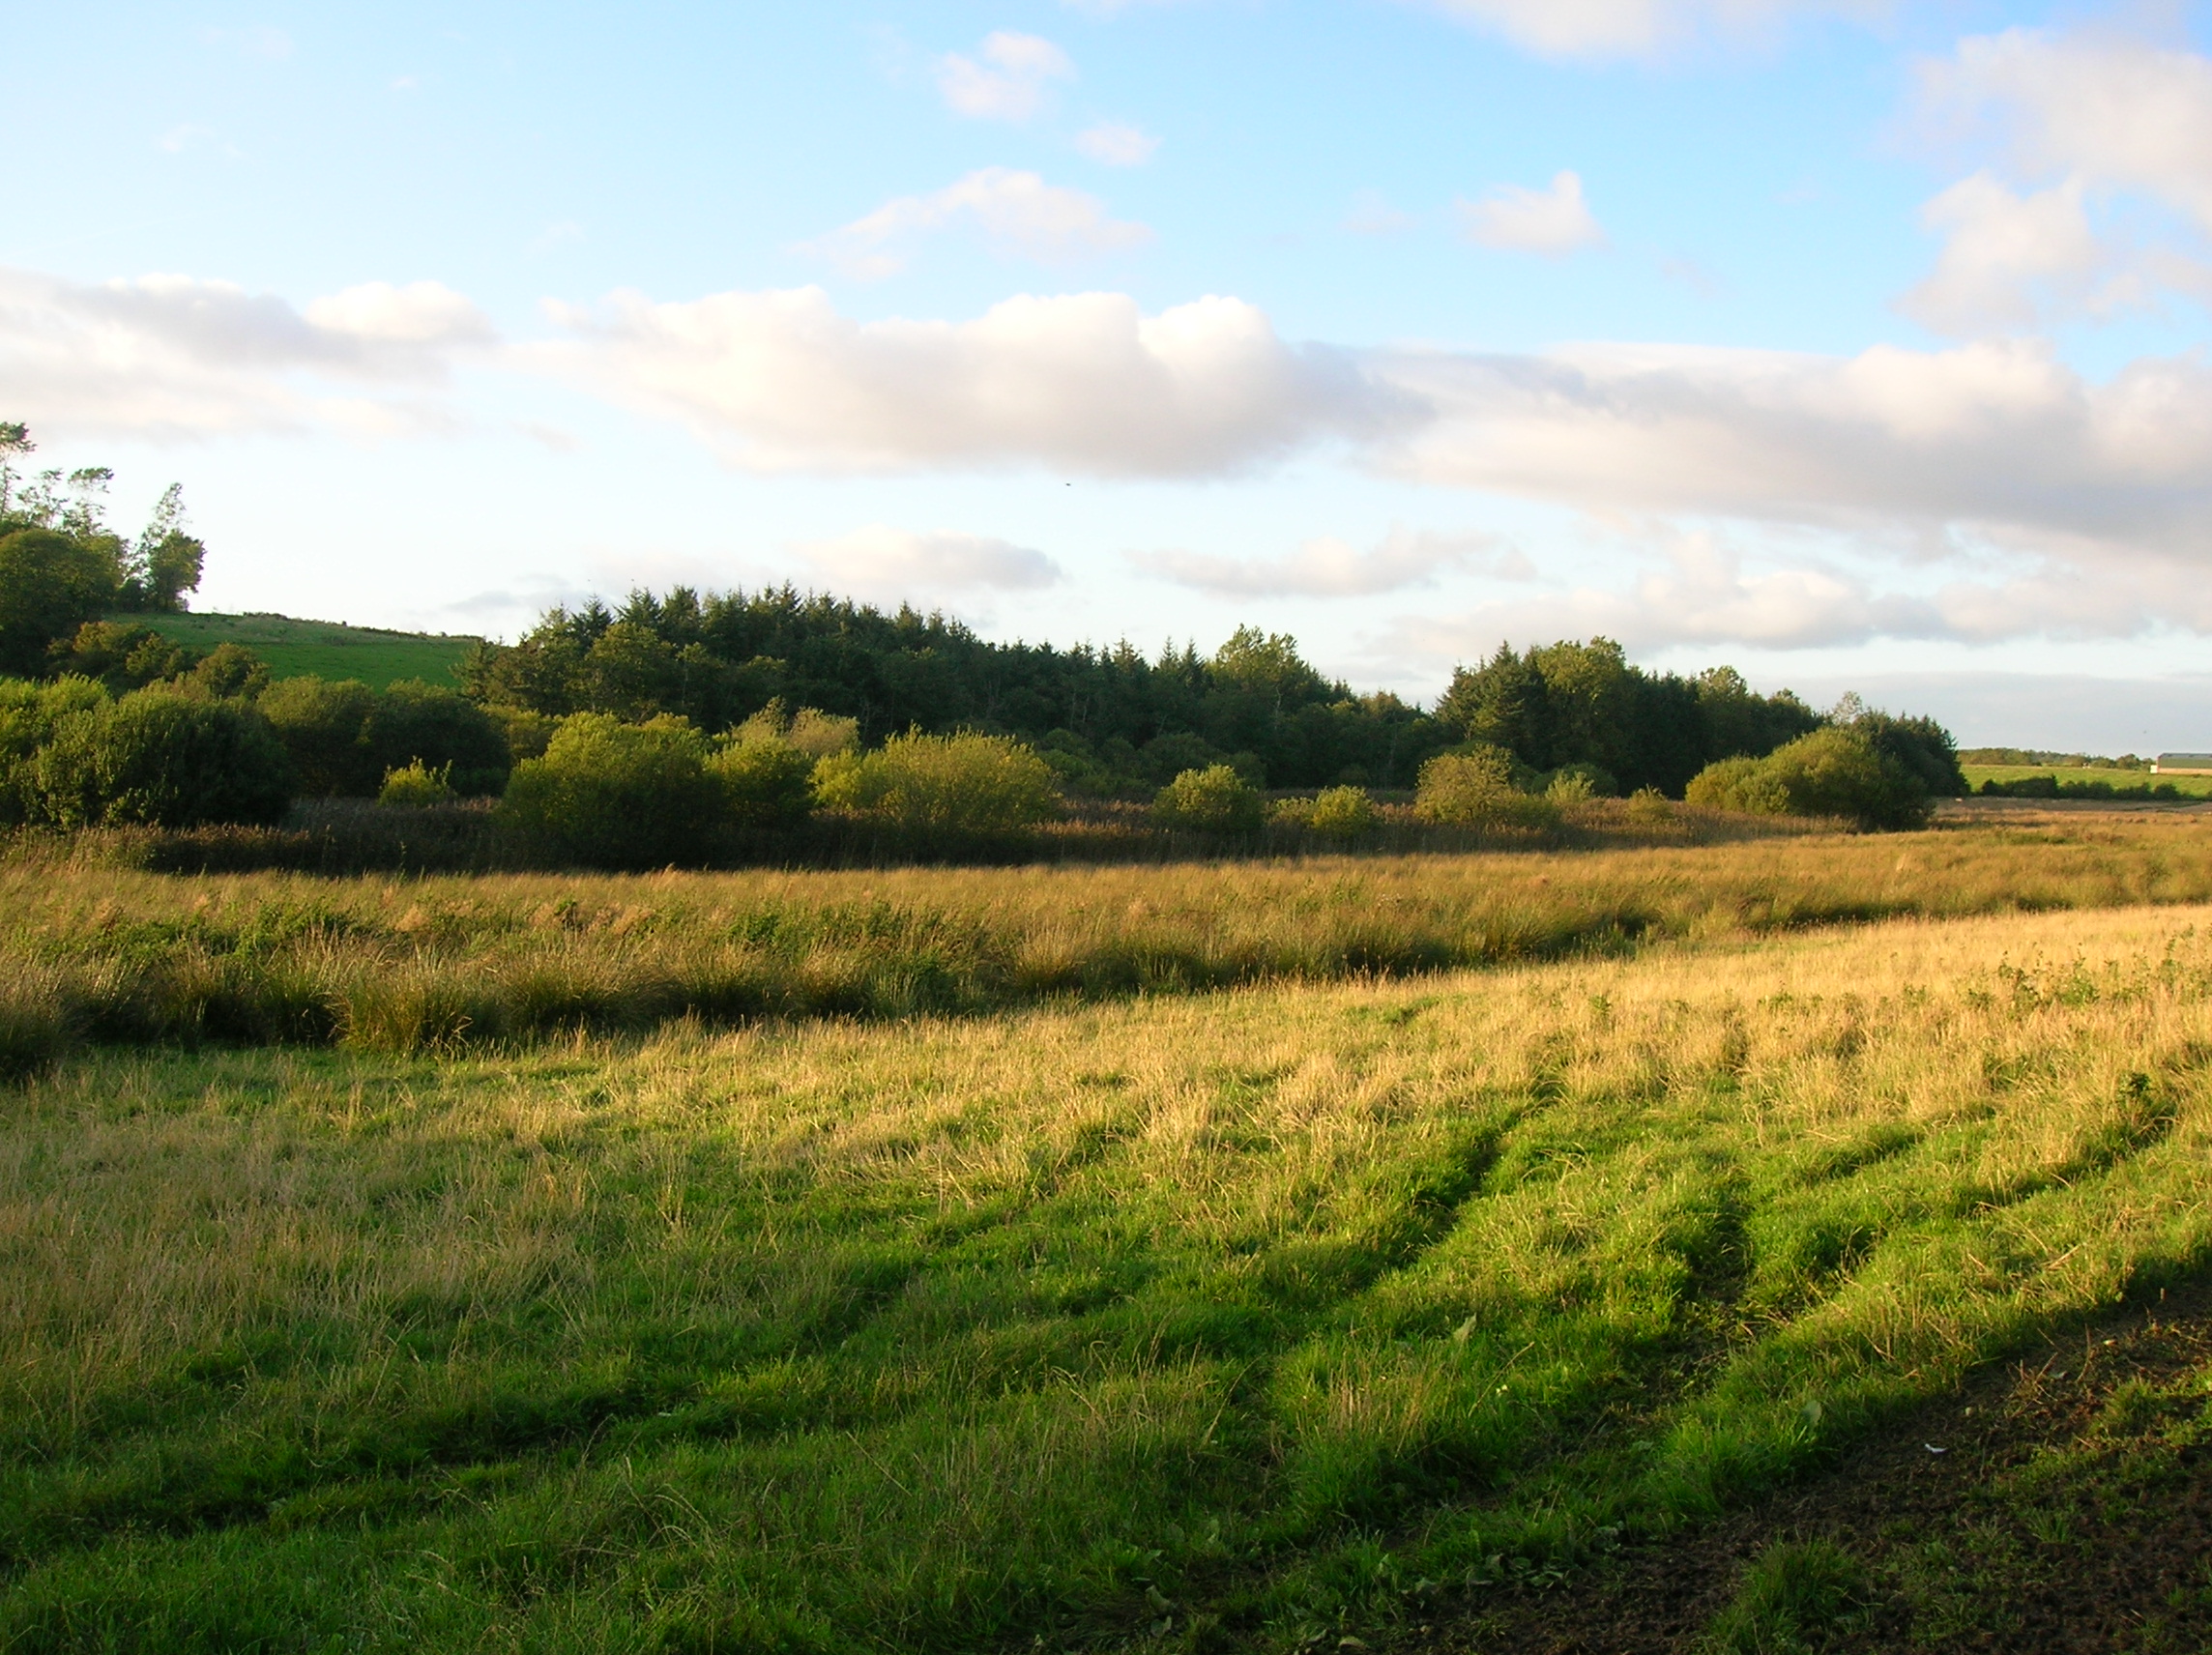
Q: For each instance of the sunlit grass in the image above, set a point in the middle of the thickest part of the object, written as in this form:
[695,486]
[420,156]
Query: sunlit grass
[1268,1306]
[111,956]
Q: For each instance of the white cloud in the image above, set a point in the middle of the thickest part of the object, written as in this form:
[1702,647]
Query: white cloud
[1328,568]
[2007,258]
[2114,111]
[2081,122]
[883,561]
[173,356]
[1553,222]
[1017,212]
[1081,381]
[1013,81]
[1639,28]
[1700,592]
[1999,434]
[1115,143]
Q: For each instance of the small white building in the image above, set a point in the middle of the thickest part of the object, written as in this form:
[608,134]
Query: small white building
[2182,764]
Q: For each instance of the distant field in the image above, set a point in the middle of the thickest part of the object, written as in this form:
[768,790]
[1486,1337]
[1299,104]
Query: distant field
[322,649]
[1976,775]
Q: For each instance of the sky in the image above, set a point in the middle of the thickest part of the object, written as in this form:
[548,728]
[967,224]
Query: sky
[1861,346]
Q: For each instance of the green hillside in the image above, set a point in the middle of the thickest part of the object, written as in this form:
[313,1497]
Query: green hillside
[322,649]
[2192,785]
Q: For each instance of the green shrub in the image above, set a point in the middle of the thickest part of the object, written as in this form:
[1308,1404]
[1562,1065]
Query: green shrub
[616,796]
[28,715]
[417,785]
[765,783]
[1649,807]
[968,783]
[1342,813]
[412,721]
[228,672]
[321,725]
[1215,799]
[123,656]
[160,759]
[1836,771]
[1475,787]
[51,583]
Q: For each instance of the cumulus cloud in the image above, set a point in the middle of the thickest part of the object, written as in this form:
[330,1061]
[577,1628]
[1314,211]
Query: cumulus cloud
[1700,589]
[175,356]
[1639,28]
[1553,222]
[2007,258]
[2079,122]
[880,561]
[1013,81]
[1080,382]
[1330,567]
[1117,143]
[1017,213]
[1999,434]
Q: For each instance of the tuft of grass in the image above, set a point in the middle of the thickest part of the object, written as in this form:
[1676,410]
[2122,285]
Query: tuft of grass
[36,1026]
[1792,1594]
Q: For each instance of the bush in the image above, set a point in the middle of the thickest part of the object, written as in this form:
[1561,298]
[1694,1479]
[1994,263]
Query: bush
[124,656]
[765,783]
[968,783]
[1475,787]
[413,721]
[616,796]
[228,672]
[28,715]
[160,759]
[1836,771]
[417,786]
[50,585]
[1342,813]
[1215,799]
[321,725]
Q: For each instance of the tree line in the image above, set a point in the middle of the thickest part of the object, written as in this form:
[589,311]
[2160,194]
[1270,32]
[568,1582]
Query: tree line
[715,680]
[1114,721]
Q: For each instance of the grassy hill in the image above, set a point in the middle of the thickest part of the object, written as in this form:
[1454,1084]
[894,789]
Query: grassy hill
[323,649]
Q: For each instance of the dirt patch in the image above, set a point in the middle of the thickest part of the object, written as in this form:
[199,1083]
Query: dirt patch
[2059,1503]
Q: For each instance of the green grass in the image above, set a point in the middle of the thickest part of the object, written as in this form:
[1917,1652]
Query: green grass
[2195,786]
[321,649]
[1256,1316]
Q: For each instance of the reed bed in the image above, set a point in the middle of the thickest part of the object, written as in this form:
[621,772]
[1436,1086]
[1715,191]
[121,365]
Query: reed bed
[1260,1319]
[111,956]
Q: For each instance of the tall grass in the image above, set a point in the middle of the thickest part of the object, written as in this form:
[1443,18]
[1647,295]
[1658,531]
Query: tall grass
[393,965]
[1265,1317]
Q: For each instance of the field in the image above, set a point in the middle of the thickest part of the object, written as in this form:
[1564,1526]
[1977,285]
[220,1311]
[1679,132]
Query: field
[2195,786]
[321,649]
[1416,1252]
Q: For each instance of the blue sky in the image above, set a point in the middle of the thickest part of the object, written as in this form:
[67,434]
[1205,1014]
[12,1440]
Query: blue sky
[1860,346]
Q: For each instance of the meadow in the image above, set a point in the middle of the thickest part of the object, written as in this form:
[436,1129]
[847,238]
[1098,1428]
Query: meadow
[108,955]
[2192,786]
[321,649]
[1250,1256]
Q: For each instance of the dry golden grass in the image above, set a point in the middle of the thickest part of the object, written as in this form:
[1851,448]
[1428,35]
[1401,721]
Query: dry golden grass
[944,1332]
[375,963]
